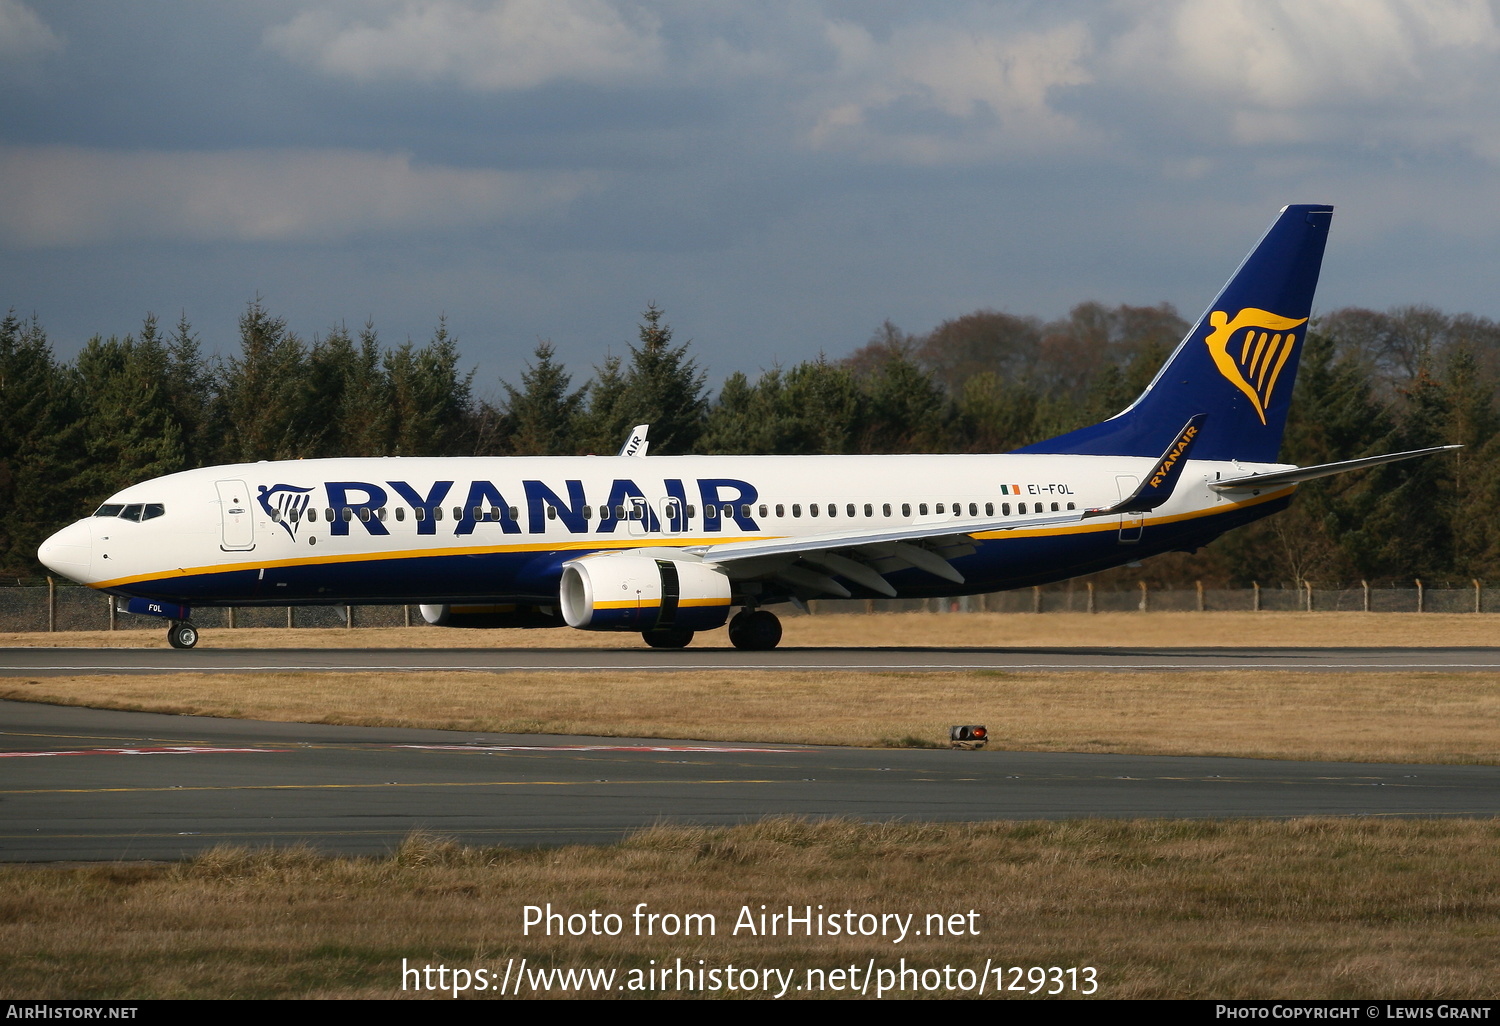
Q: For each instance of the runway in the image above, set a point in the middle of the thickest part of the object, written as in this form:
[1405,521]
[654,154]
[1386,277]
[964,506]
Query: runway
[83,784]
[62,661]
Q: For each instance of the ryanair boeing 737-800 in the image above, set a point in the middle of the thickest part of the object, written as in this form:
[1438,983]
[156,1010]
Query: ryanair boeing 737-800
[670,545]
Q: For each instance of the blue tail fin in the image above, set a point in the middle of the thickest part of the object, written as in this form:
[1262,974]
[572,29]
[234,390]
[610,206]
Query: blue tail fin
[1237,364]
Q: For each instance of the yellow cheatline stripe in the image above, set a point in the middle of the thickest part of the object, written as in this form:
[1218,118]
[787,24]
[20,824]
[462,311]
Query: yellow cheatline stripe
[604,544]
[1105,524]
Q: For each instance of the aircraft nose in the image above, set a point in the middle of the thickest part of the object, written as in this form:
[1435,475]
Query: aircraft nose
[69,552]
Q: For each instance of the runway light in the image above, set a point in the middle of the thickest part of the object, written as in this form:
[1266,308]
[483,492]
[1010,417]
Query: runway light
[968,737]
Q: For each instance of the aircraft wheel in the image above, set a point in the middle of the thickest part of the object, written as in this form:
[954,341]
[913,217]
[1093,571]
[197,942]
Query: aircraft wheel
[668,638]
[182,635]
[757,631]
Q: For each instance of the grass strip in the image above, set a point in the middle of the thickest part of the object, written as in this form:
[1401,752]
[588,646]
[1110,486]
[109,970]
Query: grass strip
[1346,908]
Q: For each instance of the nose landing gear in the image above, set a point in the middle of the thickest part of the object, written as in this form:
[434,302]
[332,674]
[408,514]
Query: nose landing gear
[755,630]
[182,634]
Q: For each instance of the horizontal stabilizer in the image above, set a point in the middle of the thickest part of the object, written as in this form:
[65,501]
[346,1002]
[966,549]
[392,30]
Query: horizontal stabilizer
[1300,474]
[1158,487]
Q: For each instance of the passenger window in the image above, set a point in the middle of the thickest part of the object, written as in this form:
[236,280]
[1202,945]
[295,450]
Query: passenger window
[906,509]
[796,509]
[886,509]
[869,510]
[711,512]
[1005,509]
[478,513]
[437,513]
[328,514]
[1054,507]
[849,509]
[989,509]
[780,510]
[973,509]
[692,511]
[922,509]
[458,512]
[400,513]
[347,513]
[619,512]
[515,512]
[940,507]
[551,512]
[833,510]
[763,510]
[1020,507]
[1070,505]
[745,512]
[364,513]
[812,509]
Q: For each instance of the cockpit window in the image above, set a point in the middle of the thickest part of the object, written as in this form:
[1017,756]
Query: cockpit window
[136,511]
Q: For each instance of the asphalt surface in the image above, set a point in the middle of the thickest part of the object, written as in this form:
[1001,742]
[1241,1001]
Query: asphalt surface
[84,784]
[62,661]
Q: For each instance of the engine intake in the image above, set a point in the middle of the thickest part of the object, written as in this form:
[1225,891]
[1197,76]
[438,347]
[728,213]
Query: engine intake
[641,592]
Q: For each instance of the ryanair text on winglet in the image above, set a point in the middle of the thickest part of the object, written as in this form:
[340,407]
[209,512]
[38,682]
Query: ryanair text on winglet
[1173,456]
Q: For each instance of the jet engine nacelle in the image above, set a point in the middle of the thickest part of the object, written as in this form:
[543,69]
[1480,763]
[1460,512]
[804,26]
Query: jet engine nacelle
[491,616]
[644,590]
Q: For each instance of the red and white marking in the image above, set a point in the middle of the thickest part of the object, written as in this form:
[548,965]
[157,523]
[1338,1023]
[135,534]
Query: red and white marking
[167,750]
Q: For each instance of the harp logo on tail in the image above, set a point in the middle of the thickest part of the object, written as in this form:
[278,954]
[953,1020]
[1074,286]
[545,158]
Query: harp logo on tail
[1251,349]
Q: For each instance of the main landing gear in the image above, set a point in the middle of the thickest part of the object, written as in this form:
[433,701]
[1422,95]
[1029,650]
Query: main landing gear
[755,630]
[182,634]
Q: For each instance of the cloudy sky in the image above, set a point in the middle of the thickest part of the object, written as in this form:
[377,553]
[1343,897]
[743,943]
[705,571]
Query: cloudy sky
[780,177]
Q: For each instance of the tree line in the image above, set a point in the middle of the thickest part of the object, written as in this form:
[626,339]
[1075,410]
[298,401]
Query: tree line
[151,403]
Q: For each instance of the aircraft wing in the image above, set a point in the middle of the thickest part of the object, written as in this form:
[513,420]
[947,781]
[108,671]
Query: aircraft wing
[864,555]
[1297,475]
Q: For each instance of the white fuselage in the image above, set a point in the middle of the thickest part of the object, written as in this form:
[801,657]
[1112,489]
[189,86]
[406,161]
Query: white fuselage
[498,529]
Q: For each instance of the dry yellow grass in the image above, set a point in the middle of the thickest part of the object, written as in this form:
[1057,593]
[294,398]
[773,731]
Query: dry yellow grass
[1361,909]
[1395,717]
[886,630]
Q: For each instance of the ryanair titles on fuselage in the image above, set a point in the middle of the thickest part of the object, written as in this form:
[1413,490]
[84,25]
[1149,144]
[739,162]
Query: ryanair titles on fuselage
[475,502]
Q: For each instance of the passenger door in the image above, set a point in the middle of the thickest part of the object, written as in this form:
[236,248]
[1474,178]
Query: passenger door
[236,518]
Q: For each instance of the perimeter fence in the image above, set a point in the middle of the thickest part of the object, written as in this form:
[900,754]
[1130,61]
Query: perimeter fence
[59,607]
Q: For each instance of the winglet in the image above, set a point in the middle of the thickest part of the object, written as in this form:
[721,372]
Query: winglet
[636,444]
[1158,487]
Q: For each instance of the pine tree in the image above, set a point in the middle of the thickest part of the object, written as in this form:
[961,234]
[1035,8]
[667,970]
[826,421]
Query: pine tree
[432,404]
[664,388]
[263,410]
[42,451]
[543,414]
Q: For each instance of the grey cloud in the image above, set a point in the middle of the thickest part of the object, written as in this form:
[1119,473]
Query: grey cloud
[23,34]
[64,195]
[505,45]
